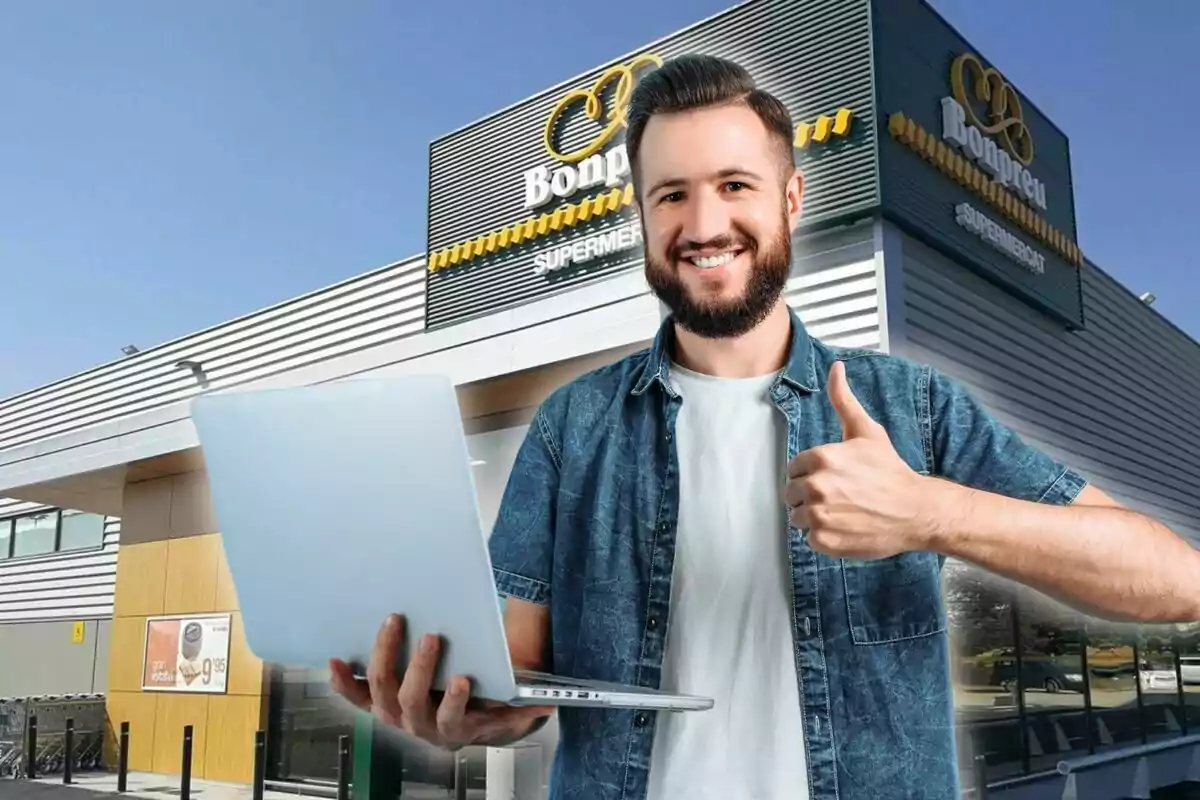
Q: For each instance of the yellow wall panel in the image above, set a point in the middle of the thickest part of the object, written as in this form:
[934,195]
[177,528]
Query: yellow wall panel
[173,712]
[245,670]
[126,647]
[191,574]
[139,710]
[141,579]
[233,722]
[226,593]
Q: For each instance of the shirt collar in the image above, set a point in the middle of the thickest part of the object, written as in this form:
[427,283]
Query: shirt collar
[800,371]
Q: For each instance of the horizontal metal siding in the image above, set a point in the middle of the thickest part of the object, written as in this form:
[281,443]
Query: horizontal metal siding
[814,54]
[1116,401]
[367,311]
[834,287]
[74,585]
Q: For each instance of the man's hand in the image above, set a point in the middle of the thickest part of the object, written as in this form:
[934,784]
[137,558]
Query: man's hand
[410,705]
[856,498]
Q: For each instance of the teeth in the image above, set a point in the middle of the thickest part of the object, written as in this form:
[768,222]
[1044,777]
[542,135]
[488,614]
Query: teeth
[708,262]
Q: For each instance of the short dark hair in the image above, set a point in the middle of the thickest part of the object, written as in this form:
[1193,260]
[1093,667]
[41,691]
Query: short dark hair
[689,82]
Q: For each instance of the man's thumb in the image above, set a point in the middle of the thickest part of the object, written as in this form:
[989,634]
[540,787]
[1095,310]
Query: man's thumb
[856,422]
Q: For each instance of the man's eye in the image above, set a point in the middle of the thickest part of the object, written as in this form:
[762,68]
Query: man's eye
[673,197]
[735,186]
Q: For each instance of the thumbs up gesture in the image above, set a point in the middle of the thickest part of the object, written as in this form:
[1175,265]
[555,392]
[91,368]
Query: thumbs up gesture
[856,498]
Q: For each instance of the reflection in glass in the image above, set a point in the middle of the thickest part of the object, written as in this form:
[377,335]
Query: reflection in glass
[1187,640]
[1052,680]
[5,537]
[1161,715]
[983,664]
[34,536]
[304,727]
[1114,681]
[80,530]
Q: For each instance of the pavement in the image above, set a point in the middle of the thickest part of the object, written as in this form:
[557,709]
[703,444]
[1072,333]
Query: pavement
[149,786]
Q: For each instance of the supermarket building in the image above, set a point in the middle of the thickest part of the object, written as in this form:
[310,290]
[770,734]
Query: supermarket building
[938,226]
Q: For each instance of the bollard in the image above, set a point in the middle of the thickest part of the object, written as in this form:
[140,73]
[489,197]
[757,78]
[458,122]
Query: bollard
[185,769]
[123,758]
[260,764]
[343,780]
[981,790]
[68,749]
[31,751]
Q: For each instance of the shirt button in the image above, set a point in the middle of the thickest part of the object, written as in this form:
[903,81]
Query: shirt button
[640,720]
[652,623]
[663,528]
[669,437]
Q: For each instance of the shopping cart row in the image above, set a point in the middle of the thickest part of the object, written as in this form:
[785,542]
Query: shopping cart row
[51,734]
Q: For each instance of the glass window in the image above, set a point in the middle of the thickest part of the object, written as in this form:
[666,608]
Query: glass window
[5,537]
[492,457]
[1160,687]
[1187,641]
[1113,675]
[35,535]
[1052,681]
[983,665]
[80,530]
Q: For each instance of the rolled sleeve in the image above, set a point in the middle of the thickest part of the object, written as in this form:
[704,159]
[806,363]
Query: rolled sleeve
[971,447]
[522,542]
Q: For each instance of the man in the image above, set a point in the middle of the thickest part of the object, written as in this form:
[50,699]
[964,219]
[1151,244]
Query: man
[746,513]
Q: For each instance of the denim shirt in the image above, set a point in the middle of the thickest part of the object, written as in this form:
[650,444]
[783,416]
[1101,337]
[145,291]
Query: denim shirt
[587,526]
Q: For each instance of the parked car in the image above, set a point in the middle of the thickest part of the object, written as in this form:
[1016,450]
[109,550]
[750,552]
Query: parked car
[1037,674]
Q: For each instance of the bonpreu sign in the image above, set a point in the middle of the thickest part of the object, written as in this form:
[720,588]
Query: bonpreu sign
[537,198]
[894,112]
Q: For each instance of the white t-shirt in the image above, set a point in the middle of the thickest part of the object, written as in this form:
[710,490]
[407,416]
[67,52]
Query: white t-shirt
[729,635]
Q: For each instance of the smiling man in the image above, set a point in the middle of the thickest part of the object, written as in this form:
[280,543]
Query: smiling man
[744,512]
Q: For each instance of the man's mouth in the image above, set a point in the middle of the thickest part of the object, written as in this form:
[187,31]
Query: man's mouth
[713,261]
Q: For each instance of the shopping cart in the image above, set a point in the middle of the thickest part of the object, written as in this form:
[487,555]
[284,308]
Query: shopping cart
[50,753]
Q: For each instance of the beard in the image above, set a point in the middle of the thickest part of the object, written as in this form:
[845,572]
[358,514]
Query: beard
[725,318]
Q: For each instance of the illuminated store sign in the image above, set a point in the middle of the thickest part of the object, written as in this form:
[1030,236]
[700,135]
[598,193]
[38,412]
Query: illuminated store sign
[988,156]
[599,168]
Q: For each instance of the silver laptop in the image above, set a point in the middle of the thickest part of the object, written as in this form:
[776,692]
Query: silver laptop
[343,502]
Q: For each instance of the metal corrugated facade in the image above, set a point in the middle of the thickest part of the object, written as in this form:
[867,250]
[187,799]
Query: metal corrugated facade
[366,311]
[814,54]
[1116,400]
[74,585]
[915,49]
[834,286]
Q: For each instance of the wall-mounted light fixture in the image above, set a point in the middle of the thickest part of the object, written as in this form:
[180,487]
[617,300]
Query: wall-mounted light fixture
[130,349]
[1147,298]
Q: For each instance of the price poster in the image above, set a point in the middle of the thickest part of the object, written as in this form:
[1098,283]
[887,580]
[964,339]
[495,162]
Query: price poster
[187,654]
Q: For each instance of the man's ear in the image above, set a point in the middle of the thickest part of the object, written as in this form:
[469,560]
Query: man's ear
[794,193]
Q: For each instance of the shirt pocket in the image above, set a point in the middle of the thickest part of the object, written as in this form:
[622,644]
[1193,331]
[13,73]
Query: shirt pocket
[892,599]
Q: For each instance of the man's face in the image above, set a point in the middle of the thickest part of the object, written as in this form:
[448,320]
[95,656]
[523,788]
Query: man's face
[717,216]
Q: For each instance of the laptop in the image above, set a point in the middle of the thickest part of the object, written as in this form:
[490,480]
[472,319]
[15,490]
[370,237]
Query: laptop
[343,502]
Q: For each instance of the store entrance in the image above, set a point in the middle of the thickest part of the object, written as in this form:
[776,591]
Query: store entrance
[305,720]
[303,727]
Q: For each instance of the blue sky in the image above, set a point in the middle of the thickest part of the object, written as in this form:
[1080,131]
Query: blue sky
[165,166]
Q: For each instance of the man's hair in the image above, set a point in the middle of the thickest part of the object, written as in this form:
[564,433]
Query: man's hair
[690,82]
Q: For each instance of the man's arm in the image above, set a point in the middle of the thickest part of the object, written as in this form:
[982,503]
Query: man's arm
[1095,554]
[1018,513]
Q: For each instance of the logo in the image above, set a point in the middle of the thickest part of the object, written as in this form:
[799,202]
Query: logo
[1006,156]
[605,102]
[612,115]
[1004,117]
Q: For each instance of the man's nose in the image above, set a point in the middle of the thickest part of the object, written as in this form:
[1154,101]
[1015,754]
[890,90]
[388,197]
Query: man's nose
[705,218]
